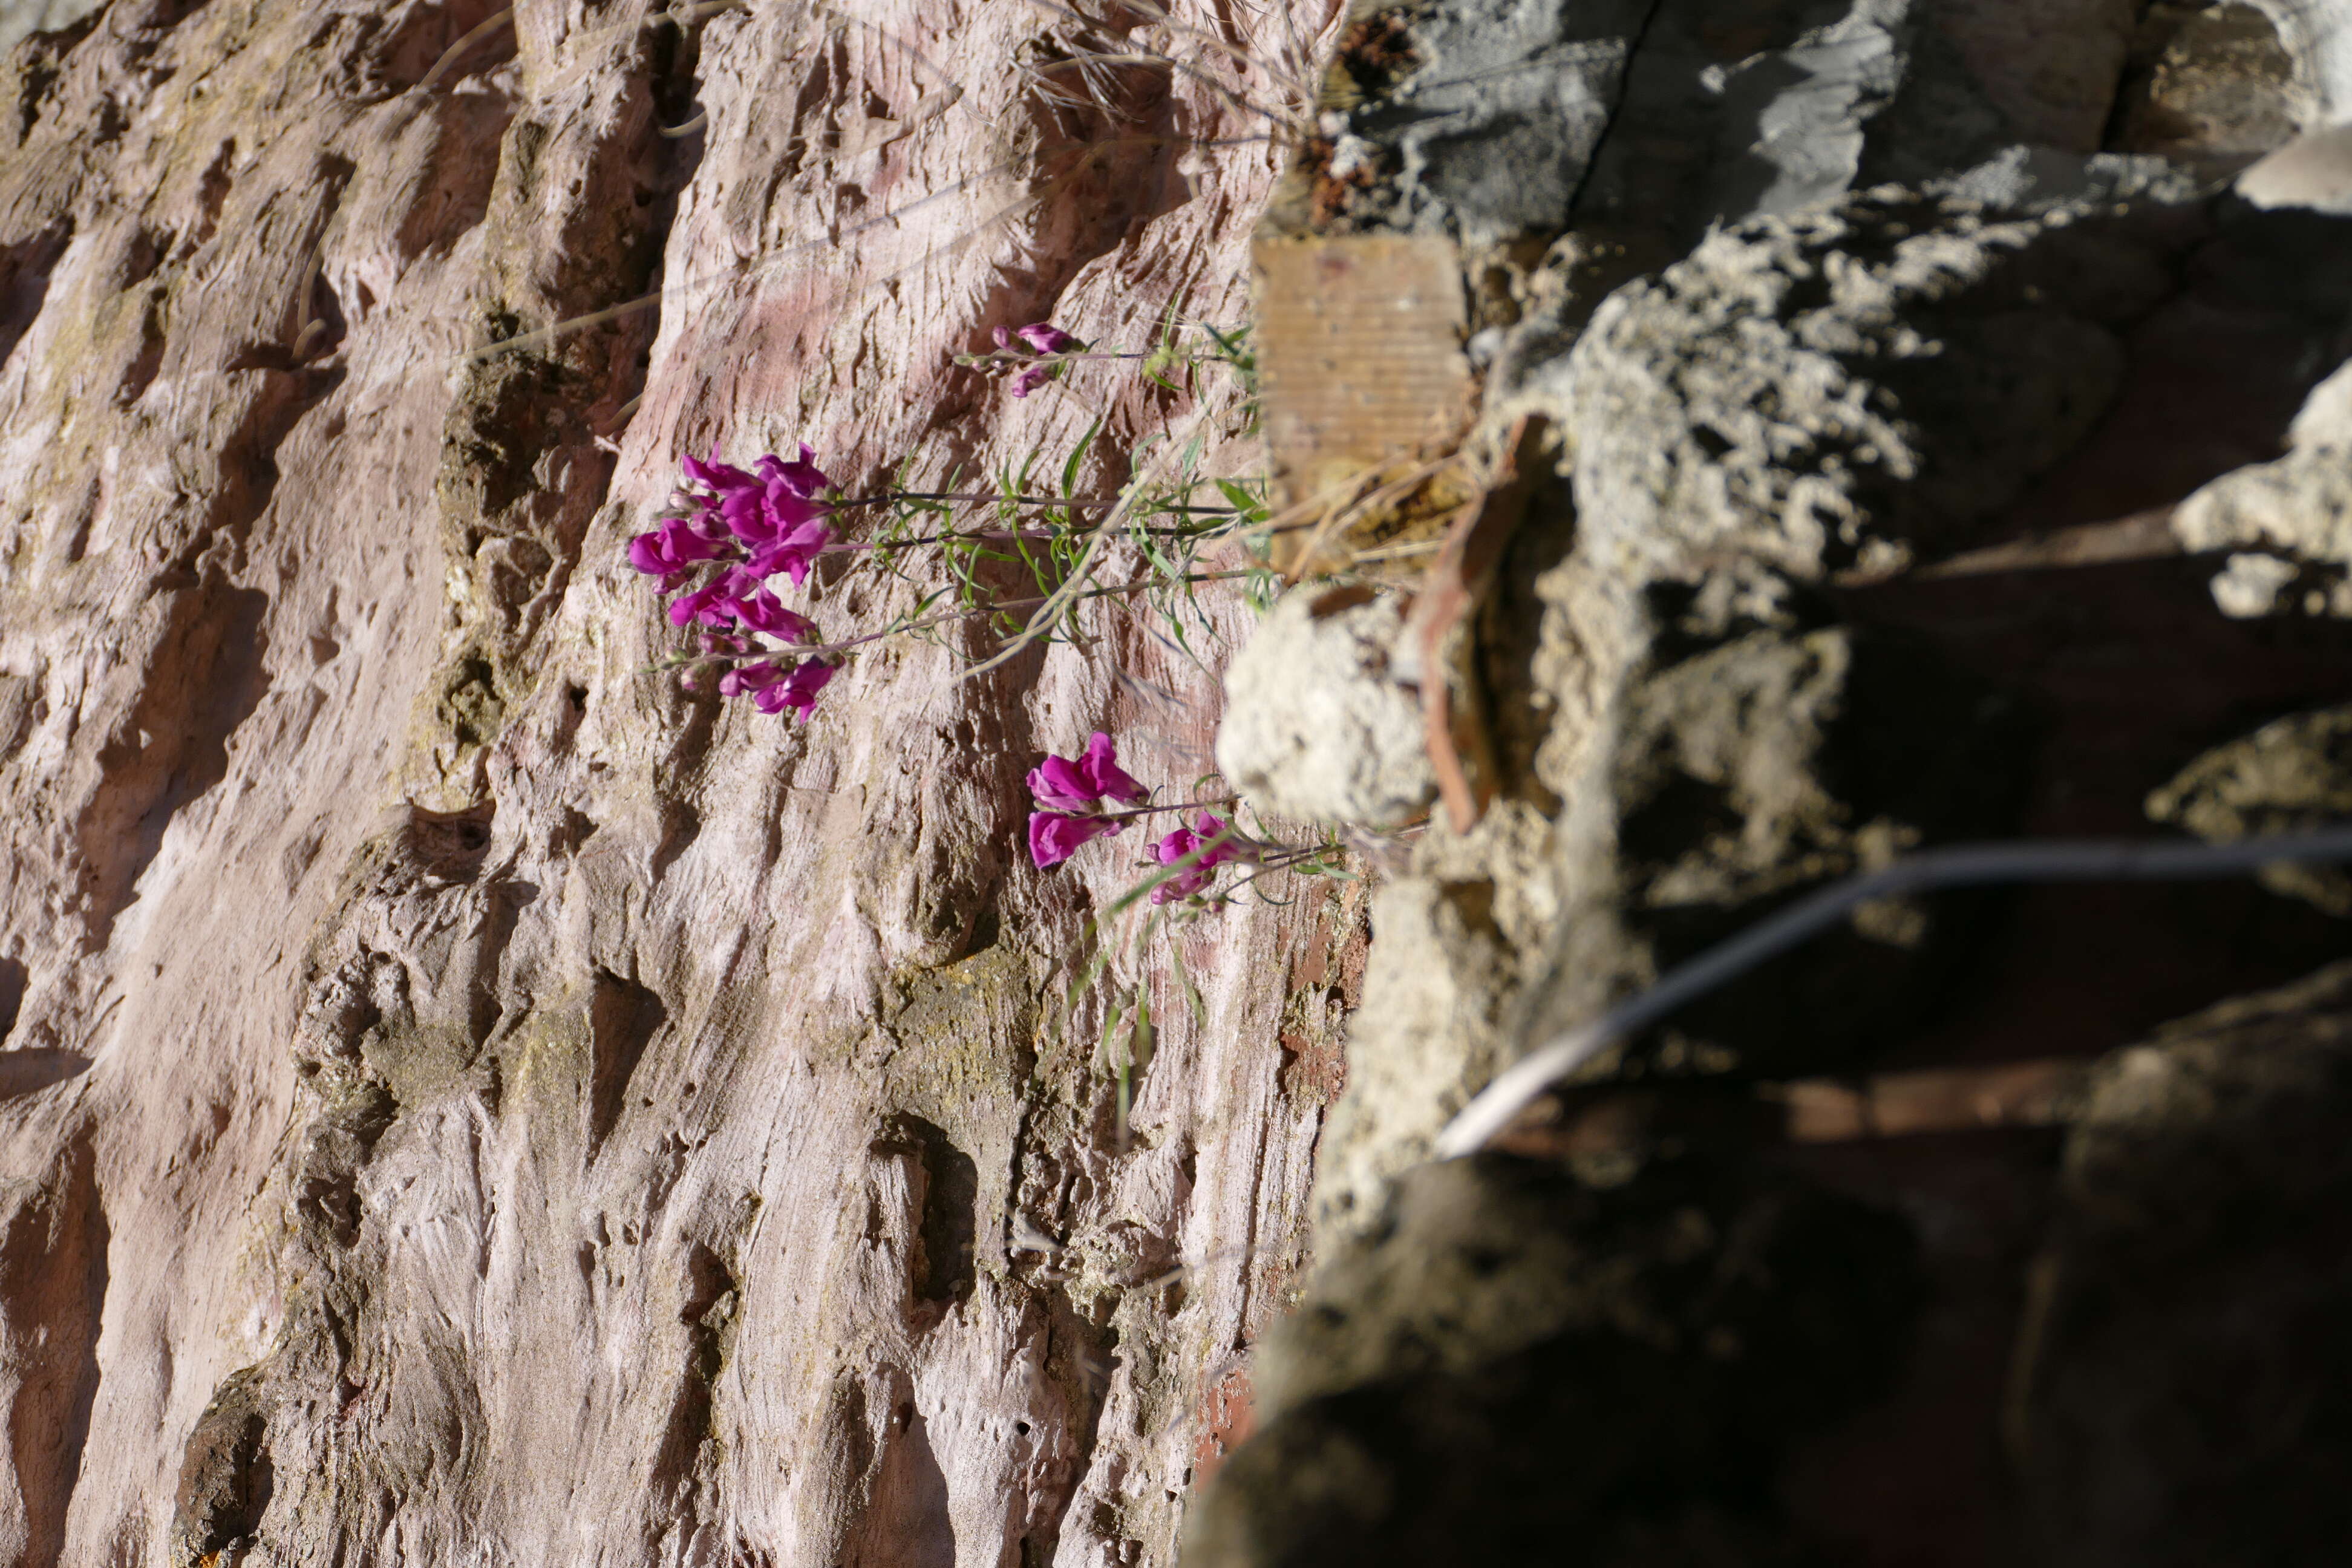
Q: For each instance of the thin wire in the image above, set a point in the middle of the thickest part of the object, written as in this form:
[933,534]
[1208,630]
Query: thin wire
[1962,866]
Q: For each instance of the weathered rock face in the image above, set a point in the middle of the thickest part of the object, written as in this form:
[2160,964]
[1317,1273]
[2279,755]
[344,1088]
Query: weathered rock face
[1870,526]
[468,1099]
[2196,1263]
[2283,523]
[2292,774]
[1830,396]
[1864,383]
[1512,1359]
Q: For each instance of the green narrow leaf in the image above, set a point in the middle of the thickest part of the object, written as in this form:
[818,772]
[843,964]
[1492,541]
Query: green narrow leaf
[1112,1019]
[1193,1001]
[1078,457]
[1139,1037]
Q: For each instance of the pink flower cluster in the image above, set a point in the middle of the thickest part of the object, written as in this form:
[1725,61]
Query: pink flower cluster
[1039,338]
[773,687]
[1071,792]
[1201,838]
[1072,795]
[754,525]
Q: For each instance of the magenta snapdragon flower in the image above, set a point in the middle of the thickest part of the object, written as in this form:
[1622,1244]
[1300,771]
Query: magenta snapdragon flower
[797,691]
[764,613]
[792,551]
[762,517]
[723,479]
[738,598]
[773,511]
[715,604]
[1076,784]
[754,523]
[1039,338]
[759,522]
[802,477]
[677,543]
[1171,850]
[1071,791]
[1054,838]
[725,482]
[773,687]
[743,680]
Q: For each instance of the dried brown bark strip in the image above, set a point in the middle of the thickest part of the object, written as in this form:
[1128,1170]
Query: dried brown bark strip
[1474,545]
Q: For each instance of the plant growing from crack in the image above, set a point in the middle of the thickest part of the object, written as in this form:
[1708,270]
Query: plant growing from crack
[1087,797]
[731,531]
[731,534]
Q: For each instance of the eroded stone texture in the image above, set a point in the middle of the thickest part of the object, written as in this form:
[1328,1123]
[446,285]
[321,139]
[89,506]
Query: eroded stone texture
[2292,775]
[2197,1265]
[1773,106]
[2051,70]
[1512,1359]
[2288,523]
[2209,80]
[2311,33]
[20,17]
[467,1099]
[1863,539]
[1484,117]
[1847,388]
[1486,122]
[2313,171]
[1833,393]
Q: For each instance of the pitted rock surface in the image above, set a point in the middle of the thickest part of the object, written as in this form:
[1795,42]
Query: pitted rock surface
[2288,523]
[1863,539]
[1845,389]
[466,1099]
[2197,1264]
[1511,1359]
[2292,775]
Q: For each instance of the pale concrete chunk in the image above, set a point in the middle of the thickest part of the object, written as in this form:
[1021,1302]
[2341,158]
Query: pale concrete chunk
[2289,523]
[1319,724]
[2313,172]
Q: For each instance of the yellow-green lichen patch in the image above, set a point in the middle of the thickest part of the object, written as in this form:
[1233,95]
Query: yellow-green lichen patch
[967,1031]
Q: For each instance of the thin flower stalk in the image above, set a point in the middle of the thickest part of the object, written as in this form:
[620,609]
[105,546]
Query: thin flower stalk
[820,650]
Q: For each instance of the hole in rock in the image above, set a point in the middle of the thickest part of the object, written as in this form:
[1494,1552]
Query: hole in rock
[623,1018]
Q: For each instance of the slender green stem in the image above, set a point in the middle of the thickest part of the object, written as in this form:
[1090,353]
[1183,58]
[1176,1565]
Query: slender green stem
[1138,587]
[1015,357]
[1157,810]
[889,496]
[1281,860]
[820,650]
[1203,531]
